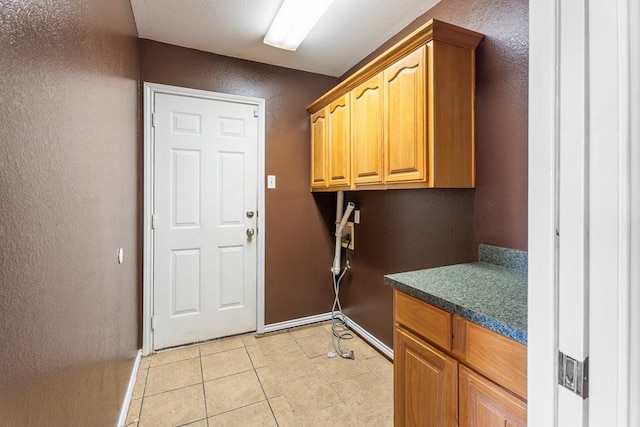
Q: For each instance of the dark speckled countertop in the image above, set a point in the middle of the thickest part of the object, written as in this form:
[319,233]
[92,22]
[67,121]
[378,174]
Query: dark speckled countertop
[491,293]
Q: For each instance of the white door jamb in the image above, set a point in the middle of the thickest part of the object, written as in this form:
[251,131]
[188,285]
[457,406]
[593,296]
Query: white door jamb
[543,147]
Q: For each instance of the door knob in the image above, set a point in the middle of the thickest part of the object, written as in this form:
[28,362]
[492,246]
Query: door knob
[249,214]
[250,232]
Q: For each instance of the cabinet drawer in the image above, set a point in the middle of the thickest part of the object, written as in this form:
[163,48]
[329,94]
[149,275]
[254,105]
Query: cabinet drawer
[497,357]
[423,319]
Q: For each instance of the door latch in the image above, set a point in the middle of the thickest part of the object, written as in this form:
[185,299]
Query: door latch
[573,374]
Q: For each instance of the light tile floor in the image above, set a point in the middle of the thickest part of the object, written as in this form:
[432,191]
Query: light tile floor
[281,379]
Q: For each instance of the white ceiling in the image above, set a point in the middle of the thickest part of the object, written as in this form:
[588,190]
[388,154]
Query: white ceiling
[348,31]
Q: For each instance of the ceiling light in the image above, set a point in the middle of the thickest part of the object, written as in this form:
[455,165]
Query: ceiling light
[294,21]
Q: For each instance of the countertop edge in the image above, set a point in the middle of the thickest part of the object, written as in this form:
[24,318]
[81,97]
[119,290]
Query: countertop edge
[495,325]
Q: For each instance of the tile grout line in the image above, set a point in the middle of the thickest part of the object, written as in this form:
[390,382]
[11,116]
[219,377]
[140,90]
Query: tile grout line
[255,372]
[204,392]
[144,389]
[236,373]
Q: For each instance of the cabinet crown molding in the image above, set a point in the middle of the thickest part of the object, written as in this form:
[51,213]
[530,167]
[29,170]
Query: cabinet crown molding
[432,30]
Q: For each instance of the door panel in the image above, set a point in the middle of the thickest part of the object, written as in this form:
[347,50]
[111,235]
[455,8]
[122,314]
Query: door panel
[185,281]
[231,260]
[186,188]
[204,274]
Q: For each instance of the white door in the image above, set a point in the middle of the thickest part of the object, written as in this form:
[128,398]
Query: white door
[584,233]
[204,219]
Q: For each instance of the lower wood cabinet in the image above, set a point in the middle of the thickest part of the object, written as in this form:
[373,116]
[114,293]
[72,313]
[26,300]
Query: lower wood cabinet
[437,360]
[485,404]
[425,383]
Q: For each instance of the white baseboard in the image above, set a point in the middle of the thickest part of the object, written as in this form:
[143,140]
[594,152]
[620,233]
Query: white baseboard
[127,397]
[302,321]
[373,341]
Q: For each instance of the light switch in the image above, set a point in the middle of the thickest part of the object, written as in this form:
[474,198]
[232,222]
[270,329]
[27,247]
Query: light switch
[271,181]
[356,216]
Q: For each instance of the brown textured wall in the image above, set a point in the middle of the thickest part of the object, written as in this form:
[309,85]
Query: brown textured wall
[69,199]
[402,230]
[494,213]
[298,244]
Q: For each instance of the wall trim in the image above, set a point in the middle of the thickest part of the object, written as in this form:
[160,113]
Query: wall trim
[302,321]
[362,332]
[368,337]
[122,419]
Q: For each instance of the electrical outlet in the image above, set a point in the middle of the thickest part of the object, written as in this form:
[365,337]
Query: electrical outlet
[348,236]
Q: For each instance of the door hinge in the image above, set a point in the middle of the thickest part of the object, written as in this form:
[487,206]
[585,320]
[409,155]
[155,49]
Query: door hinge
[573,374]
[153,326]
[153,222]
[255,112]
[153,120]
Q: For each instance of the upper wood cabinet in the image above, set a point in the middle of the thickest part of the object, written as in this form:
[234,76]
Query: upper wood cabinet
[366,131]
[331,147]
[411,117]
[339,143]
[319,150]
[404,119]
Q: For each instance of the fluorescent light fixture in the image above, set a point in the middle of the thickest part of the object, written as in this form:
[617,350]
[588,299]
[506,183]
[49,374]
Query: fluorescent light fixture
[294,21]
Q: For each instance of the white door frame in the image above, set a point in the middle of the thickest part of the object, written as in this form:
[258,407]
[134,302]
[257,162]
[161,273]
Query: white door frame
[614,214]
[612,96]
[150,89]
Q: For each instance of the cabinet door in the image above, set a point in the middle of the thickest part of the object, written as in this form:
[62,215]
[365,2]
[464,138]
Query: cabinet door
[319,150]
[425,383]
[405,118]
[486,404]
[339,143]
[366,131]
